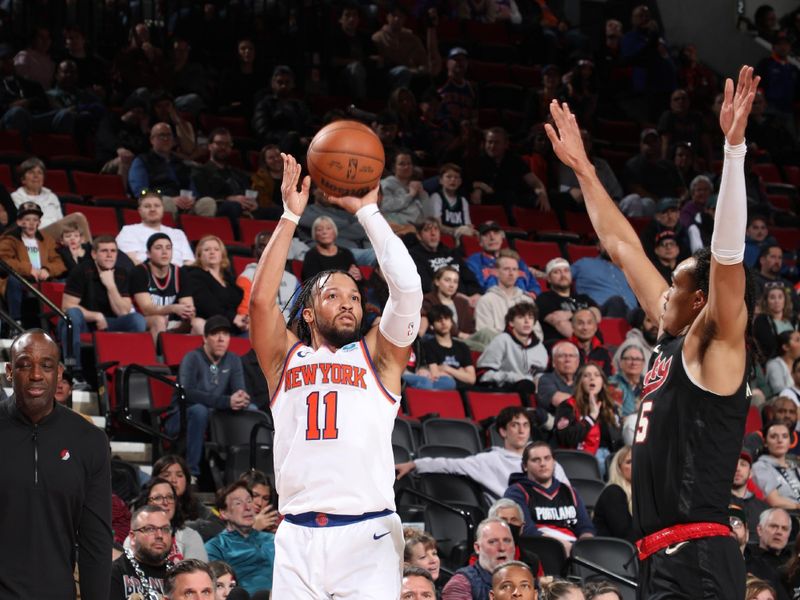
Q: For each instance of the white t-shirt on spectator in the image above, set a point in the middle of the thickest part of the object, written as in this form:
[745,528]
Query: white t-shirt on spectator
[133,238]
[46,200]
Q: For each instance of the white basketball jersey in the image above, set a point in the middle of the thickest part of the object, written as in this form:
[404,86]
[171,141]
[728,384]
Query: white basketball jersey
[333,433]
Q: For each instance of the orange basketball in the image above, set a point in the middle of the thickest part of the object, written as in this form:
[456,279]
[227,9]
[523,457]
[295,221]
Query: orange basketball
[345,158]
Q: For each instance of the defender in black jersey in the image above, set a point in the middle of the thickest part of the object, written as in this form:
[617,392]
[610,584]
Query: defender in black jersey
[694,402]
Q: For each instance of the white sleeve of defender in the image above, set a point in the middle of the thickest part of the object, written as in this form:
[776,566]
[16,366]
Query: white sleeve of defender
[401,315]
[730,219]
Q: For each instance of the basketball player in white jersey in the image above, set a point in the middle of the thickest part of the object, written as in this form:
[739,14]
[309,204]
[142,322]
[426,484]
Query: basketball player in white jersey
[335,396]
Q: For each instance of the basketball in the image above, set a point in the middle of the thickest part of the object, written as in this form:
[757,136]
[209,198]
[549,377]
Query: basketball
[345,158]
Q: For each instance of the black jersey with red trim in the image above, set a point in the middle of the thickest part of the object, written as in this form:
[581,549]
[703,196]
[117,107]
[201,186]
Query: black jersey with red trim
[686,446]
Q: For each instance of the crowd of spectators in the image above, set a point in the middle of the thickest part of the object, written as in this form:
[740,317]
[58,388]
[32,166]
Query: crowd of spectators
[191,110]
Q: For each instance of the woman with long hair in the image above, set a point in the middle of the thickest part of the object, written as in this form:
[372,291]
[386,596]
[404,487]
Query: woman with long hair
[327,255]
[758,589]
[420,551]
[224,578]
[213,286]
[777,476]
[613,512]
[779,368]
[776,315]
[559,589]
[174,469]
[186,542]
[589,420]
[445,292]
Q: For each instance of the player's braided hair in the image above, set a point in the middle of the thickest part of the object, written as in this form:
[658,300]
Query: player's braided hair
[702,277]
[305,299]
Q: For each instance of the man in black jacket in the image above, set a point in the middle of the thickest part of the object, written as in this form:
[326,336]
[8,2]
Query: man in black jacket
[55,485]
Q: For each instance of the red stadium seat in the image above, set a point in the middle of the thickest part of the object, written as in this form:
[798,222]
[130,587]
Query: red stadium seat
[240,262]
[58,181]
[238,126]
[50,145]
[196,227]
[174,346]
[581,224]
[240,345]
[102,220]
[54,291]
[107,187]
[534,220]
[131,216]
[424,402]
[5,177]
[768,172]
[250,228]
[792,175]
[753,422]
[577,251]
[297,269]
[787,237]
[614,330]
[537,254]
[483,405]
[481,213]
[119,350]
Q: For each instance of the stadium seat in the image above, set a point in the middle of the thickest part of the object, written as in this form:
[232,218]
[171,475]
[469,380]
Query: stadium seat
[483,405]
[297,269]
[530,77]
[792,173]
[470,244]
[781,202]
[454,490]
[131,216]
[174,346]
[787,237]
[142,399]
[589,490]
[250,228]
[481,213]
[550,551]
[577,463]
[401,455]
[535,221]
[239,345]
[768,172]
[452,534]
[5,178]
[537,254]
[613,330]
[452,432]
[58,182]
[575,252]
[754,422]
[616,555]
[403,435]
[489,72]
[228,448]
[441,451]
[102,220]
[196,227]
[54,291]
[115,350]
[240,262]
[579,223]
[446,404]
[50,145]
[100,187]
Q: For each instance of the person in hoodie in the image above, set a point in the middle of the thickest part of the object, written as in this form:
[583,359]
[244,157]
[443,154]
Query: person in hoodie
[491,309]
[484,263]
[514,359]
[551,508]
[490,469]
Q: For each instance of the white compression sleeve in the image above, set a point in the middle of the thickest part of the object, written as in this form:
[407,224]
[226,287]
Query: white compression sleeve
[401,316]
[730,219]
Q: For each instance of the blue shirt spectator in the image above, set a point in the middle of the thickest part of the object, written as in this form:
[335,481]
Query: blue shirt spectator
[602,280]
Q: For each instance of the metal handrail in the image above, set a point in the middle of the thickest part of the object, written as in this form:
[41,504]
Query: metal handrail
[603,571]
[124,402]
[461,513]
[69,360]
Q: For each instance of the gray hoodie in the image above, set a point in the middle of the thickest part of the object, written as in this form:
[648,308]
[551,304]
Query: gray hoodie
[507,361]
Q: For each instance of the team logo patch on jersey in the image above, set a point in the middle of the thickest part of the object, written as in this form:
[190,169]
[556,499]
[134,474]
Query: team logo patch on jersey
[349,347]
[321,519]
[64,454]
[656,376]
[302,353]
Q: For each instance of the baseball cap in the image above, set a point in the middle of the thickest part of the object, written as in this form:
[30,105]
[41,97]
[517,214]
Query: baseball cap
[665,204]
[155,237]
[457,51]
[745,455]
[555,263]
[489,226]
[734,510]
[648,132]
[29,208]
[667,234]
[217,323]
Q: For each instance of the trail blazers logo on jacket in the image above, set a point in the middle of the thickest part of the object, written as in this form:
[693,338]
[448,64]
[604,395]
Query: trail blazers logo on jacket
[656,376]
[64,454]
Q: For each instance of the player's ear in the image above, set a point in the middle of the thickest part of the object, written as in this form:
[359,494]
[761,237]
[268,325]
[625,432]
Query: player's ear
[308,315]
[699,300]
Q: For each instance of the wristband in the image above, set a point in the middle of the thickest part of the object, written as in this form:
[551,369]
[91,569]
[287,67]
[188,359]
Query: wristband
[290,216]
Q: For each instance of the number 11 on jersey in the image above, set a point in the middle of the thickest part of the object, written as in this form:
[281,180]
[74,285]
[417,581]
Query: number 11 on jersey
[330,432]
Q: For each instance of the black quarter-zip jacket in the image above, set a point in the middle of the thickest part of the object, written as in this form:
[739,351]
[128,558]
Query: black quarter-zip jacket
[55,506]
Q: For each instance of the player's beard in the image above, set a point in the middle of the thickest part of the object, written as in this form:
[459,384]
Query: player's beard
[338,337]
